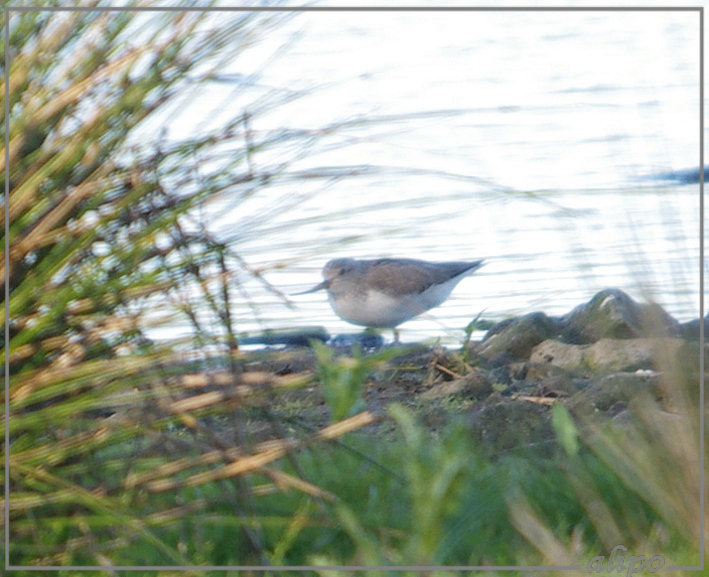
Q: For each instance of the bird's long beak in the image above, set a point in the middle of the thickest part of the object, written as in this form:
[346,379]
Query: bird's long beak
[323,285]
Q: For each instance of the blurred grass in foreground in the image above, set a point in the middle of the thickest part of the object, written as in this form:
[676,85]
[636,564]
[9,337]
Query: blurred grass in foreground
[105,241]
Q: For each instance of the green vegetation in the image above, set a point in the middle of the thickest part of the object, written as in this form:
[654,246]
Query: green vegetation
[127,451]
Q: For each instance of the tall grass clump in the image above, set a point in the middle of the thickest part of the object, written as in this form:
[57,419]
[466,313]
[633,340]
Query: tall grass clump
[111,460]
[637,482]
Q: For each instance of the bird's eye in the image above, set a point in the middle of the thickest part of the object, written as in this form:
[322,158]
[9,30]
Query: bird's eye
[342,271]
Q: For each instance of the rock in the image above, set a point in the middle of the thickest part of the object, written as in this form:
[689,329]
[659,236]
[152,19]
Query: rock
[501,375]
[611,355]
[569,357]
[540,371]
[611,393]
[545,378]
[514,339]
[475,385]
[611,313]
[292,337]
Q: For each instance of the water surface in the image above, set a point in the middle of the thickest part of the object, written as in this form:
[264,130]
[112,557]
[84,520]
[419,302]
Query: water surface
[532,140]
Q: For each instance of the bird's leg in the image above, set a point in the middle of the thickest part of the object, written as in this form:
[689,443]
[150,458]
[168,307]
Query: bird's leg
[396,336]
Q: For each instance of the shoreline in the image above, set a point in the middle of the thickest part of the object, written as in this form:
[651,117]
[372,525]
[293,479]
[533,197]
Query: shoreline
[598,360]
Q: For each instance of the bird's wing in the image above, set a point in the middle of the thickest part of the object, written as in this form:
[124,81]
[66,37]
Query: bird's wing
[412,276]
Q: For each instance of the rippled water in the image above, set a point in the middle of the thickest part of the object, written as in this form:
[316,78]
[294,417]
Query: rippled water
[532,140]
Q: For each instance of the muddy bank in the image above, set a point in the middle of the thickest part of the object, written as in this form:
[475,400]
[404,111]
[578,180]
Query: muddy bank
[598,360]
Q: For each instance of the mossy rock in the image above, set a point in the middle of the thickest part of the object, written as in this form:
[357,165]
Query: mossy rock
[612,355]
[612,313]
[607,392]
[514,339]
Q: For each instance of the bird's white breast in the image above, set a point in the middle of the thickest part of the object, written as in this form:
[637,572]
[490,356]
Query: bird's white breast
[373,308]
